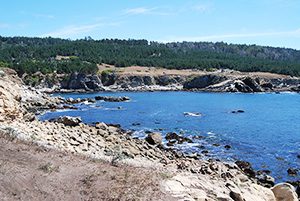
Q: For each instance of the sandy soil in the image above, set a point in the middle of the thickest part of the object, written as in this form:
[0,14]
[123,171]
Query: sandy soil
[30,172]
[157,71]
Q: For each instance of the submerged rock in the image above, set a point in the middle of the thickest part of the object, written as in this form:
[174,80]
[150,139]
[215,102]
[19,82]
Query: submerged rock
[292,171]
[112,99]
[237,111]
[175,138]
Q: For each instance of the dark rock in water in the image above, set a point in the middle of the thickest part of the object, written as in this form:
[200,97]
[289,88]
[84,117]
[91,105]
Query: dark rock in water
[292,172]
[266,180]
[246,167]
[171,143]
[112,99]
[200,147]
[114,125]
[91,100]
[68,121]
[198,137]
[178,138]
[227,147]
[259,172]
[298,156]
[216,144]
[154,139]
[136,124]
[203,81]
[237,111]
[205,152]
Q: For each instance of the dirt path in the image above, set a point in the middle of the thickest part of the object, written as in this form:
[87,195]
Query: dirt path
[29,172]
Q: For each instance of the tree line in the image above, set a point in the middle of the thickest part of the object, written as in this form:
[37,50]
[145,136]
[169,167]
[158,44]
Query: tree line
[29,55]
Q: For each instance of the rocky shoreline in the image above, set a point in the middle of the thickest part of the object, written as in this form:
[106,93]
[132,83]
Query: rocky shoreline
[125,79]
[190,177]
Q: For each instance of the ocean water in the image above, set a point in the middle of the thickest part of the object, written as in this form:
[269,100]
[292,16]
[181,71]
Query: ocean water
[267,134]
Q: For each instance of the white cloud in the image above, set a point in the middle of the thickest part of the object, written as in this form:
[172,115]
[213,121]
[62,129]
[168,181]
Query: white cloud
[292,33]
[75,30]
[137,11]
[144,11]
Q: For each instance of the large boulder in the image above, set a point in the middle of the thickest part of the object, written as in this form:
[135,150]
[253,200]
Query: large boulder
[68,121]
[246,167]
[174,137]
[284,192]
[154,138]
[253,84]
[203,81]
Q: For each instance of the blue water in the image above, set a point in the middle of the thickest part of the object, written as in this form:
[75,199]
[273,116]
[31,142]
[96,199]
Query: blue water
[267,134]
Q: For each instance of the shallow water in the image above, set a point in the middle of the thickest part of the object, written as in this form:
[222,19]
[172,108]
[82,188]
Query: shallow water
[267,134]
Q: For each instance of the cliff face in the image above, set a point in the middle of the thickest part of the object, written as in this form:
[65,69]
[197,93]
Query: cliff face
[148,79]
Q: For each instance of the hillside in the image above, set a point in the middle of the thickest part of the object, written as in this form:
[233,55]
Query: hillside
[29,55]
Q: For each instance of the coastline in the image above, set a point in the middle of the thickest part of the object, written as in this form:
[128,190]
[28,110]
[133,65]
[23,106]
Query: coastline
[190,179]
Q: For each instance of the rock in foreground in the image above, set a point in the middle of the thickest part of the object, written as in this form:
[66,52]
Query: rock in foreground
[68,121]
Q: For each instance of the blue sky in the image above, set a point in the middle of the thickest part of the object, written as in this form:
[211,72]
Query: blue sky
[263,22]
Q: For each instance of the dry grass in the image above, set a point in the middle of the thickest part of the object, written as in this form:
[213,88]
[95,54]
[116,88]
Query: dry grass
[31,172]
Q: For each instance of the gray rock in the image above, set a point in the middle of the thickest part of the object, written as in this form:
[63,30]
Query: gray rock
[203,81]
[154,138]
[112,99]
[68,121]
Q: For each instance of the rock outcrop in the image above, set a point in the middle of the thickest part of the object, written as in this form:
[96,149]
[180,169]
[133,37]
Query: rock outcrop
[201,82]
[83,81]
[68,121]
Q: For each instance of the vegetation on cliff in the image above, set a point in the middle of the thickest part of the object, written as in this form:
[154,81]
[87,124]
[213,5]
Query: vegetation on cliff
[29,55]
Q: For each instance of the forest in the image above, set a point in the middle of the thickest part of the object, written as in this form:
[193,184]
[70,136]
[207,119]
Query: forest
[30,55]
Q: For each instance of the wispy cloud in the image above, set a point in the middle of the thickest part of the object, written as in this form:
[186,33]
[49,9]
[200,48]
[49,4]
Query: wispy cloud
[37,15]
[75,30]
[145,11]
[292,33]
[202,8]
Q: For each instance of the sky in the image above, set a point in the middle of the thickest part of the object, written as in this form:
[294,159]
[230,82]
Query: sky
[262,22]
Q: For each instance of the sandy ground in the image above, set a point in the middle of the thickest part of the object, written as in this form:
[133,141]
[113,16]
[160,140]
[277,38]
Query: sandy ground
[30,172]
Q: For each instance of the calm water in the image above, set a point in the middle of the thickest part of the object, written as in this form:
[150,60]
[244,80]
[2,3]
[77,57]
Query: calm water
[267,134]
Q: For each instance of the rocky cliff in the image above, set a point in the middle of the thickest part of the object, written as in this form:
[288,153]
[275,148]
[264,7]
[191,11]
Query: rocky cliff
[217,81]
